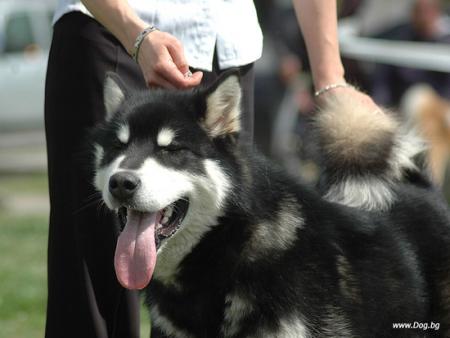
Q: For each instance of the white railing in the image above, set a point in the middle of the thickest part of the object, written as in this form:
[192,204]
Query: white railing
[423,55]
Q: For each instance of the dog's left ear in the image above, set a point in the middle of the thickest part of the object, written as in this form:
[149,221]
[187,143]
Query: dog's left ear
[114,93]
[222,115]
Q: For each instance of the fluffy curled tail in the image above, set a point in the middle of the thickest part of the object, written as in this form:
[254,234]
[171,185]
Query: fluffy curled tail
[365,153]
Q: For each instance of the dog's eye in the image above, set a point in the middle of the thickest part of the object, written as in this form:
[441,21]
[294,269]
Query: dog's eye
[180,149]
[175,147]
[118,144]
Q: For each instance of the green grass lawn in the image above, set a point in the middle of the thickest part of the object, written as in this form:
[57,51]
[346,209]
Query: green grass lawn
[23,247]
[23,244]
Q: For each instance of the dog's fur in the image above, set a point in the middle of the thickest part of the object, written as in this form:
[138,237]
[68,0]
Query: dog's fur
[260,255]
[429,113]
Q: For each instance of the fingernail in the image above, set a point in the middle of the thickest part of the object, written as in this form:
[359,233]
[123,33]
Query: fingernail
[188,74]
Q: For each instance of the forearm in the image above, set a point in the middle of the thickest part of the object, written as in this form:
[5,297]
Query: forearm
[318,22]
[119,18]
[161,55]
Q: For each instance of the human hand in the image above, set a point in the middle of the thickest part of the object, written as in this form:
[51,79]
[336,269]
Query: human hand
[289,69]
[162,61]
[353,93]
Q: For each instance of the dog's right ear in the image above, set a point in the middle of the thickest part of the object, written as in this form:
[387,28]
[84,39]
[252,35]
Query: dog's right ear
[114,93]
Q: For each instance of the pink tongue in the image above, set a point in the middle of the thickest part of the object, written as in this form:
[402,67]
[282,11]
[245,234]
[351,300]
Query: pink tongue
[135,256]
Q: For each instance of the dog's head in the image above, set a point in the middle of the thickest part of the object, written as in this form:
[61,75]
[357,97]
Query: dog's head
[161,159]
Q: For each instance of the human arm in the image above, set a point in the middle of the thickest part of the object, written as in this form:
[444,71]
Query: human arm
[318,22]
[161,56]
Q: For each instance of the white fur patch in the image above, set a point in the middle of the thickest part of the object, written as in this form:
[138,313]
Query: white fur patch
[165,324]
[165,137]
[407,146]
[270,237]
[290,327]
[205,204]
[370,193]
[336,324]
[236,310]
[99,152]
[220,180]
[160,185]
[101,180]
[123,133]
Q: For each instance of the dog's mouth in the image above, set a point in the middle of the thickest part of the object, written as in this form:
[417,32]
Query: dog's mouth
[142,234]
[168,219]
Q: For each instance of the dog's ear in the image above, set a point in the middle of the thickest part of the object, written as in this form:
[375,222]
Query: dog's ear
[114,93]
[222,114]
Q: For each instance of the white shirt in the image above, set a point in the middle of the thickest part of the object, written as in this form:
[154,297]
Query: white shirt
[231,26]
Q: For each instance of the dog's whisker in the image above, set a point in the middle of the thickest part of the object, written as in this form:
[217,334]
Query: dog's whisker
[102,208]
[89,204]
[96,194]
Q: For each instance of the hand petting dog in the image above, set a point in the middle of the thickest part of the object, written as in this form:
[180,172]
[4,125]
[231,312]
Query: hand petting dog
[164,64]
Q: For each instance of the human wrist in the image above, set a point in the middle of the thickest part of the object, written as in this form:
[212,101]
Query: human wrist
[133,30]
[331,87]
[139,40]
[326,77]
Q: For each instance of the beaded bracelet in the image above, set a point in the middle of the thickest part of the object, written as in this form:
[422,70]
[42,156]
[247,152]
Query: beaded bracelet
[139,39]
[331,86]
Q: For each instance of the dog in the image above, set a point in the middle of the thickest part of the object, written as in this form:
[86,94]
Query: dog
[225,244]
[429,113]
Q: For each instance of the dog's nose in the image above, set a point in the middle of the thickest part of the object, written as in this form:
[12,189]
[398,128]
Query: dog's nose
[123,185]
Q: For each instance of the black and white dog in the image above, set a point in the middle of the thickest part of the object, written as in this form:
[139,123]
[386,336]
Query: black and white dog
[227,245]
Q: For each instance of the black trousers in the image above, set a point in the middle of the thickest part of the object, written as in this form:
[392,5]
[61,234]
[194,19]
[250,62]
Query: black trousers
[84,297]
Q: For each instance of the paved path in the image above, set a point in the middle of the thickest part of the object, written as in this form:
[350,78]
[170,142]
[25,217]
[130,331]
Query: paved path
[22,152]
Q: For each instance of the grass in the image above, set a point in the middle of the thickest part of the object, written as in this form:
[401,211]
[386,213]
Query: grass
[23,244]
[24,184]
[23,271]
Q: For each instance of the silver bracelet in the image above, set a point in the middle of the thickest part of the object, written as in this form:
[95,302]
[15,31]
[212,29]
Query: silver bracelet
[331,86]
[138,42]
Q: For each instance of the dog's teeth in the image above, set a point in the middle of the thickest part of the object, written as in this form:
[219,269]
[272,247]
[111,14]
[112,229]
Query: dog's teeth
[168,212]
[165,220]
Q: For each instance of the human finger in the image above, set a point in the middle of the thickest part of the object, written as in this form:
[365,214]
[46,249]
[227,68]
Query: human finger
[166,68]
[176,51]
[157,81]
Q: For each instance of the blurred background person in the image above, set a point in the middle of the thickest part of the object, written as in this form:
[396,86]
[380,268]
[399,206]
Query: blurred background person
[427,23]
